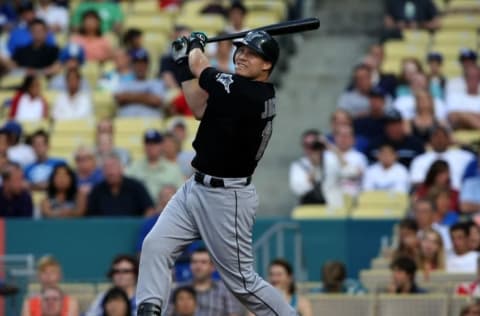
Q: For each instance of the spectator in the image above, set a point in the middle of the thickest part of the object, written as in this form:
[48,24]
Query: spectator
[28,103]
[471,310]
[50,303]
[473,168]
[71,57]
[223,60]
[123,274]
[73,104]
[133,40]
[437,81]
[38,57]
[356,102]
[406,146]
[403,277]
[424,213]
[118,195]
[387,174]
[39,172]
[443,212]
[184,301]
[467,58]
[116,303]
[213,298]
[214,7]
[339,119]
[142,97]
[409,68]
[90,37]
[402,14]
[15,200]
[237,14]
[315,177]
[111,13]
[431,256]
[353,163]
[171,148]
[406,104]
[105,145]
[464,107]
[281,276]
[334,280]
[474,236]
[461,259]
[385,81]
[178,128]
[440,142]
[155,171]
[55,16]
[438,177]
[424,121]
[8,17]
[122,73]
[373,124]
[49,275]
[167,192]
[21,36]
[470,196]
[88,174]
[17,151]
[471,289]
[169,72]
[408,243]
[63,199]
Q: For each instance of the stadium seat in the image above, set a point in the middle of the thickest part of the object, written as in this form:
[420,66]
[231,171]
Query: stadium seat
[455,37]
[37,198]
[277,7]
[452,69]
[50,96]
[461,22]
[102,287]
[84,301]
[342,305]
[10,81]
[104,104]
[306,287]
[145,7]
[155,43]
[32,126]
[399,50]
[375,280]
[261,18]
[156,22]
[380,263]
[384,200]
[450,51]
[70,142]
[448,277]
[457,303]
[416,37]
[91,72]
[466,136]
[464,5]
[211,24]
[190,8]
[401,305]
[125,125]
[316,212]
[84,127]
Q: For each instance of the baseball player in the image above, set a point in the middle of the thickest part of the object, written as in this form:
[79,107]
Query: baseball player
[219,202]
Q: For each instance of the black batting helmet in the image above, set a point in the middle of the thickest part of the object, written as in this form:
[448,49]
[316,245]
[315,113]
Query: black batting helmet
[262,43]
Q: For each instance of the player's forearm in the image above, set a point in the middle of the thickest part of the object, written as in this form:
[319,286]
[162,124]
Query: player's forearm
[197,62]
[196,97]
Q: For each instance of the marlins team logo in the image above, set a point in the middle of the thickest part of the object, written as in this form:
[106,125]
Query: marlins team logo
[226,80]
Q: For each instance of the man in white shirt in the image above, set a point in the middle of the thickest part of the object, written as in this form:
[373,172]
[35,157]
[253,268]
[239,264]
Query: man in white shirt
[406,104]
[386,174]
[353,163]
[55,16]
[464,107]
[315,177]
[466,58]
[18,152]
[424,212]
[461,259]
[457,159]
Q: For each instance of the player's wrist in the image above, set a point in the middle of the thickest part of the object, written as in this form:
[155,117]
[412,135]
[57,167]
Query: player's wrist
[184,72]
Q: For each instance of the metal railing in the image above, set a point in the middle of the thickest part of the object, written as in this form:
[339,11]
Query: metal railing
[276,234]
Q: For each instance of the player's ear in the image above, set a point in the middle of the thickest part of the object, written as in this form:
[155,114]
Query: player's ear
[267,65]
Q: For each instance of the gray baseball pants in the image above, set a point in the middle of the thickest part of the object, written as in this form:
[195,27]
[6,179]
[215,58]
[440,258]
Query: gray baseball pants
[223,218]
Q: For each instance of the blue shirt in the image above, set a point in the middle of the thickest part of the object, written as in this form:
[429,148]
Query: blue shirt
[472,170]
[471,190]
[94,178]
[38,172]
[349,286]
[450,218]
[21,36]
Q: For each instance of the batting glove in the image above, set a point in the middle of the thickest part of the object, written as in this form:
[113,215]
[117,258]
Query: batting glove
[197,40]
[180,48]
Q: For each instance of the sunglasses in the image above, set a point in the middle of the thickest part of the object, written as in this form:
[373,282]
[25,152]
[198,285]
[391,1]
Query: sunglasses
[122,271]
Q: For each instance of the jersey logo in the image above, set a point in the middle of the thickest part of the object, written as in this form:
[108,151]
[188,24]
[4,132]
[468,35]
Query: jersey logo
[226,80]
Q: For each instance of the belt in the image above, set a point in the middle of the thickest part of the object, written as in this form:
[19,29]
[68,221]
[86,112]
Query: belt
[219,182]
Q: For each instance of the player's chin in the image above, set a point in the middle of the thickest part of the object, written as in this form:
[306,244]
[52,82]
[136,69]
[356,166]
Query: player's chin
[242,71]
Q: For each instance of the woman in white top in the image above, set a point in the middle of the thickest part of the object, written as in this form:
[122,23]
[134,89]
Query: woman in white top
[28,104]
[73,103]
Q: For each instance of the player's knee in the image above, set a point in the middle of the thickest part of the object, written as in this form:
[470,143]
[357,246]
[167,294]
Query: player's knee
[153,245]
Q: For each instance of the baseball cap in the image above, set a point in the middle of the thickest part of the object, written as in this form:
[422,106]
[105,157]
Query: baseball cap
[393,115]
[467,54]
[377,92]
[435,56]
[139,55]
[25,7]
[72,51]
[152,136]
[12,127]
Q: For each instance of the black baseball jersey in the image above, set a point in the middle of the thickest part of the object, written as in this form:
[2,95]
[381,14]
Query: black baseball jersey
[236,126]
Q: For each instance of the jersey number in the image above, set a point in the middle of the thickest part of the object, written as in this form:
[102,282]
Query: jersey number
[266,134]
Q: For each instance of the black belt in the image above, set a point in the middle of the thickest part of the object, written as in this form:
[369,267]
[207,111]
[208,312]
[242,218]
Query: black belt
[216,182]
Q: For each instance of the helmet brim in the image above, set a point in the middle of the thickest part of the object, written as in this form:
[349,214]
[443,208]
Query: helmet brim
[243,42]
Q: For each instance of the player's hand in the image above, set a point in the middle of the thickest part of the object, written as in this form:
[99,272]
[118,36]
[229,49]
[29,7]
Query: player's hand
[197,40]
[180,50]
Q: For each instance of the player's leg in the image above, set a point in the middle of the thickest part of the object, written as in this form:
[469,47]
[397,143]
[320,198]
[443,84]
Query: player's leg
[173,231]
[225,218]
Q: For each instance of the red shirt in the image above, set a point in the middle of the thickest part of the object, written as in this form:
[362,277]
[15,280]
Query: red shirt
[422,192]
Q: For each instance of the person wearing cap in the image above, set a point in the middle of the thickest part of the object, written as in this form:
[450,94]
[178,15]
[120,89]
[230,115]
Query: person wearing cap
[55,16]
[154,170]
[122,72]
[464,107]
[17,151]
[117,194]
[467,58]
[373,124]
[72,56]
[142,97]
[437,81]
[406,146]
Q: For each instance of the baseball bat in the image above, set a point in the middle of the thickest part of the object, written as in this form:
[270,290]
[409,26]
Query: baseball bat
[287,27]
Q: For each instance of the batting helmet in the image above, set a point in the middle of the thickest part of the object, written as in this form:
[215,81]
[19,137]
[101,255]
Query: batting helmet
[262,43]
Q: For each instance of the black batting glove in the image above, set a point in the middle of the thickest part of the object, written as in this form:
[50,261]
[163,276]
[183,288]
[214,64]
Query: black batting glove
[197,40]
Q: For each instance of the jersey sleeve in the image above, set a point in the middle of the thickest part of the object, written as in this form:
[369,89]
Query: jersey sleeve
[219,84]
